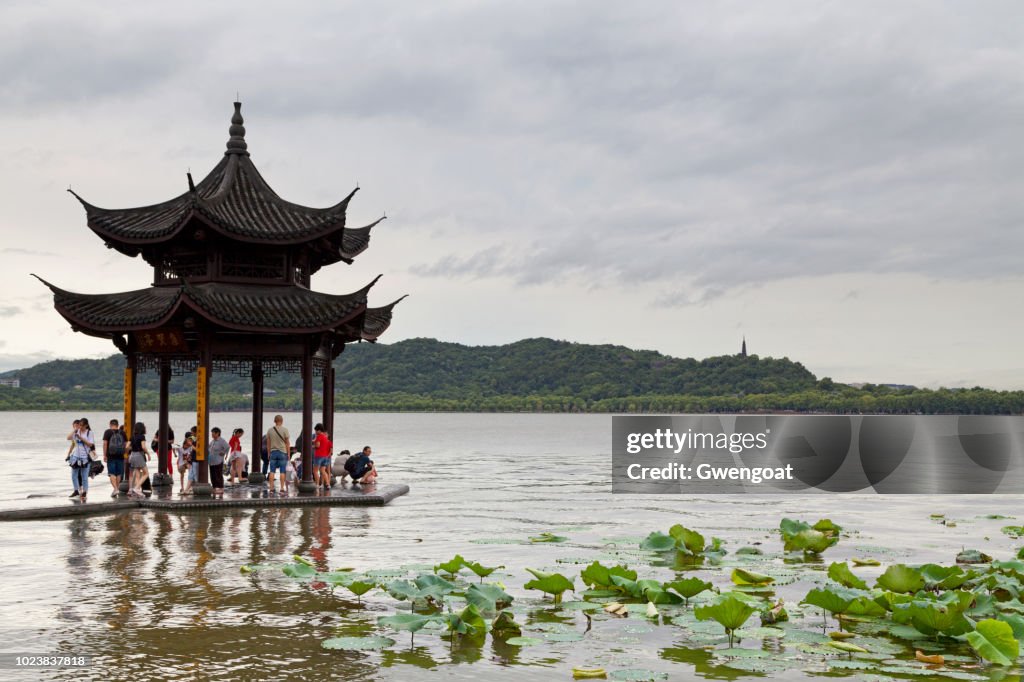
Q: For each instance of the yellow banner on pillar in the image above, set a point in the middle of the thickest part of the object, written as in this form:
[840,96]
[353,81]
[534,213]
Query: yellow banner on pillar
[201,394]
[128,426]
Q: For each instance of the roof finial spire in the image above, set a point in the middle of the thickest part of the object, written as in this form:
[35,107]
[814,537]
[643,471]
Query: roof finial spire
[236,144]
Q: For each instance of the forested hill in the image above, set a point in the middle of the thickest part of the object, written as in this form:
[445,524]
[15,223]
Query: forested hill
[535,375]
[427,367]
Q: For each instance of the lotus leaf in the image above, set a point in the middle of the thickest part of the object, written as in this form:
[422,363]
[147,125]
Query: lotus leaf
[452,566]
[337,578]
[973,556]
[944,577]
[1013,531]
[688,587]
[467,622]
[660,596]
[749,550]
[901,578]
[866,561]
[402,590]
[298,570]
[841,573]
[993,640]
[524,641]
[504,626]
[728,609]
[410,622]
[589,674]
[626,586]
[827,526]
[743,577]
[548,537]
[984,605]
[488,598]
[832,599]
[301,560]
[658,542]
[360,587]
[810,542]
[847,647]
[689,541]
[550,583]
[939,616]
[865,606]
[790,527]
[480,570]
[597,575]
[776,613]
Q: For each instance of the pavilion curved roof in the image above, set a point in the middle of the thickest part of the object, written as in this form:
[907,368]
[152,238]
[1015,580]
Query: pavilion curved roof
[235,201]
[271,309]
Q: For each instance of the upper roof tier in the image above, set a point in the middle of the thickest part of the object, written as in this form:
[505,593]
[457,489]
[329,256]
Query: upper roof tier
[235,201]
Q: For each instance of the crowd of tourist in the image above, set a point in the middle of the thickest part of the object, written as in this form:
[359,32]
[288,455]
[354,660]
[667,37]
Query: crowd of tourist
[128,459]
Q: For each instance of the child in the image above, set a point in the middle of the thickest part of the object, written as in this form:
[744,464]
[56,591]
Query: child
[235,456]
[185,455]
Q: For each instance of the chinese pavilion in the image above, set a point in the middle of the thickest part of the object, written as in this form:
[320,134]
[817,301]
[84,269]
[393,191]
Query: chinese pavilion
[232,264]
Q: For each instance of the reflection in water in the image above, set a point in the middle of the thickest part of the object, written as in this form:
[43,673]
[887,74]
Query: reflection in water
[160,595]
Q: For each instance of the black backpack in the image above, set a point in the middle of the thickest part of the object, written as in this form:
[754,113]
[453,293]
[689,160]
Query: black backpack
[95,468]
[116,443]
[357,465]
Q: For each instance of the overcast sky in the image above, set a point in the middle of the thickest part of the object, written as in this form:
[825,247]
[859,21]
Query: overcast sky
[838,181]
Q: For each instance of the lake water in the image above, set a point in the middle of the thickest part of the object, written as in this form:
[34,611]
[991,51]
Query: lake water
[161,596]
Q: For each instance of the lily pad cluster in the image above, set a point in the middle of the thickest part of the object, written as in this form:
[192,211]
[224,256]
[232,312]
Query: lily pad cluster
[857,617]
[980,606]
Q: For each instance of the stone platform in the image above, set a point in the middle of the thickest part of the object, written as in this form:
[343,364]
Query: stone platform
[168,499]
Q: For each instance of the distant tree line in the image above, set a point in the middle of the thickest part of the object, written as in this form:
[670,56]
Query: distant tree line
[534,375]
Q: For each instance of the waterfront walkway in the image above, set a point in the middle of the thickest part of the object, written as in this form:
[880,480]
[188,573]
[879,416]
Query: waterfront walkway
[167,499]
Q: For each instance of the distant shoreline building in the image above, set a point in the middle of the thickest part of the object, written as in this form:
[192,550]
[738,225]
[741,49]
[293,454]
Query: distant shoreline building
[11,383]
[743,348]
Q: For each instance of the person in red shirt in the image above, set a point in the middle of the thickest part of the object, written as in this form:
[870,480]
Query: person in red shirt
[322,446]
[236,461]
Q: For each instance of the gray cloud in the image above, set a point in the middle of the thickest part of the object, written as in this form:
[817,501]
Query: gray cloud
[10,311]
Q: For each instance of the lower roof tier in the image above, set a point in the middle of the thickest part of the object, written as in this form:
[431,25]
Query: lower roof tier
[243,307]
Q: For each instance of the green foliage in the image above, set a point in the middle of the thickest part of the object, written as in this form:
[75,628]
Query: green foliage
[993,640]
[688,587]
[452,566]
[658,542]
[832,599]
[901,578]
[800,536]
[533,375]
[687,540]
[480,570]
[504,626]
[409,622]
[744,577]
[550,583]
[488,598]
[599,576]
[841,573]
[728,610]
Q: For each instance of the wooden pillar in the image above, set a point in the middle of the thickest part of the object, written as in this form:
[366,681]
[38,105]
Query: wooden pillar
[306,484]
[203,377]
[163,442]
[130,372]
[255,463]
[328,420]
